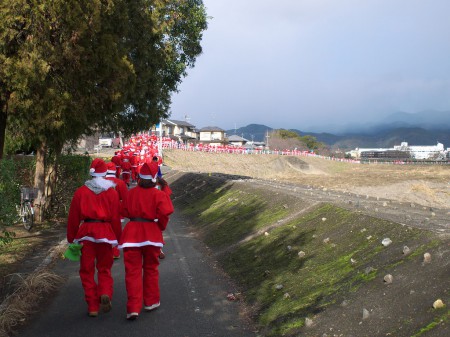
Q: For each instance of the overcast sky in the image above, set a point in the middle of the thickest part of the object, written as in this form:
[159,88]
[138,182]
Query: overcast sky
[308,64]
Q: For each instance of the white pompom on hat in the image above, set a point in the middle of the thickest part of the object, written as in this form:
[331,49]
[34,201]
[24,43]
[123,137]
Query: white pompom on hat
[149,171]
[98,168]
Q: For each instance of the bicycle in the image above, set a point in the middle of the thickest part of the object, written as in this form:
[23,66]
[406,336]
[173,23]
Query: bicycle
[26,210]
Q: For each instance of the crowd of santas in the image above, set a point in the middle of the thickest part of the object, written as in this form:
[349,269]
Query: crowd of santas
[138,150]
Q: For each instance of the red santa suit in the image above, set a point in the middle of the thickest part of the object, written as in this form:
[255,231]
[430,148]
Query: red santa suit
[134,161]
[117,160]
[126,171]
[148,210]
[122,189]
[94,221]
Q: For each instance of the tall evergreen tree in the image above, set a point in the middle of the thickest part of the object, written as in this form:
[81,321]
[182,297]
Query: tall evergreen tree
[70,67]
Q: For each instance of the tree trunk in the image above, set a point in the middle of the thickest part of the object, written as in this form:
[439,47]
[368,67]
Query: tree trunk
[51,181]
[3,119]
[39,182]
[50,185]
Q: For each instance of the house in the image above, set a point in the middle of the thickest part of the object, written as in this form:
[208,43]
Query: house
[212,135]
[181,131]
[236,140]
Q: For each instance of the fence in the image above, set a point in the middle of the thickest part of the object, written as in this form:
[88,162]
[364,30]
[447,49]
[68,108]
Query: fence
[168,143]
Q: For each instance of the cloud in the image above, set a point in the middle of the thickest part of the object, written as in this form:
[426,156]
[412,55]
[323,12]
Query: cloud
[300,63]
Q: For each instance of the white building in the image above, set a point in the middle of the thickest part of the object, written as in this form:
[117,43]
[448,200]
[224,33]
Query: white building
[423,152]
[236,140]
[212,135]
[356,153]
[416,152]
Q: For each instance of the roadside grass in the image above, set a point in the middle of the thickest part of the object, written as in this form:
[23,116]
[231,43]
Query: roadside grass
[441,319]
[22,244]
[342,251]
[287,288]
[26,298]
[226,216]
[12,253]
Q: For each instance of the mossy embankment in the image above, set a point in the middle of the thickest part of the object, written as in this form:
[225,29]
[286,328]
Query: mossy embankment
[313,269]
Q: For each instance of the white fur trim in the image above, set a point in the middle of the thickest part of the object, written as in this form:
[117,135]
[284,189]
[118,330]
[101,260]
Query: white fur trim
[140,244]
[103,183]
[148,176]
[101,174]
[90,238]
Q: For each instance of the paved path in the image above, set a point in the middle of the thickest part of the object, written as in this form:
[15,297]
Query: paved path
[193,299]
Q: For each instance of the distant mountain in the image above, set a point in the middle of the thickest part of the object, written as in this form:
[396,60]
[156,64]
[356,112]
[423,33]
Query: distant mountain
[255,132]
[429,119]
[390,137]
[380,137]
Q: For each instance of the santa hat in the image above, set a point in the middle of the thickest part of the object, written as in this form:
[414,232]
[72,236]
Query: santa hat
[149,171]
[98,168]
[111,168]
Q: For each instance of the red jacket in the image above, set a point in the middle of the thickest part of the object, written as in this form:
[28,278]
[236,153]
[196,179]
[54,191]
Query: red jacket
[126,167]
[103,206]
[145,203]
[121,187]
[134,161]
[117,160]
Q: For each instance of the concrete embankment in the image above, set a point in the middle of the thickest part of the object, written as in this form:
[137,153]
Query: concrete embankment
[309,267]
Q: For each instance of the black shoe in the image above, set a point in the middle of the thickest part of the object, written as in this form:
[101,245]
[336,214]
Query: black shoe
[105,302]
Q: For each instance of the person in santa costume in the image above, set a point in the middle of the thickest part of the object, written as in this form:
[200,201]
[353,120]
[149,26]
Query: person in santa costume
[159,183]
[117,160]
[122,189]
[134,162]
[126,171]
[94,222]
[148,209]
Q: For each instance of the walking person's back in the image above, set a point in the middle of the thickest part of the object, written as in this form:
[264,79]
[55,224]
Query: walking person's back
[148,209]
[94,222]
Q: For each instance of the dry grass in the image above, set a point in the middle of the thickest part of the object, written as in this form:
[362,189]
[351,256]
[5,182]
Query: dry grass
[422,184]
[26,298]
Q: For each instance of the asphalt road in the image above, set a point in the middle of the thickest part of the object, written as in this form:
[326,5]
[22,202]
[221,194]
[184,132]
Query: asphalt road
[193,299]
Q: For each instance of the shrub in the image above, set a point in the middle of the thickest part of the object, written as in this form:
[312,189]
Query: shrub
[9,196]
[73,171]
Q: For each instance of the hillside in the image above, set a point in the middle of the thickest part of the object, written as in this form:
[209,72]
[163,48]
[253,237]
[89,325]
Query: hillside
[386,135]
[425,185]
[305,266]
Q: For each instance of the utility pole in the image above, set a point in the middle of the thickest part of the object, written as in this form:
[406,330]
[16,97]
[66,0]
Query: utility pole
[267,138]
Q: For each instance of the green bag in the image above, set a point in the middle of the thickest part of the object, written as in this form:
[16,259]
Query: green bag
[73,252]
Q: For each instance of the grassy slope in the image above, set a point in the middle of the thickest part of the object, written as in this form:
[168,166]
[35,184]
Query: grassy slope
[284,288]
